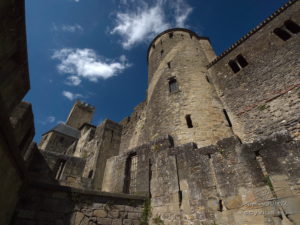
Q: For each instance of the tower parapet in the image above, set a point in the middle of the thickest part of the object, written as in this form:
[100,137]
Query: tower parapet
[181,101]
[80,114]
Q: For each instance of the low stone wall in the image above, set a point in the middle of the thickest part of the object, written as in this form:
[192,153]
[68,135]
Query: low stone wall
[58,205]
[228,183]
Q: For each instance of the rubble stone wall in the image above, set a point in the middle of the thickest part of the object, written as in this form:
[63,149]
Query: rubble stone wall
[226,183]
[262,97]
[59,205]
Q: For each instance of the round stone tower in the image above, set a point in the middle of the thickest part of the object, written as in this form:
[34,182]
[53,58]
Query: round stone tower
[181,101]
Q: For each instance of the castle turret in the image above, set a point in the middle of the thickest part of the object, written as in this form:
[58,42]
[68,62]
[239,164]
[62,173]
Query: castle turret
[181,101]
[80,114]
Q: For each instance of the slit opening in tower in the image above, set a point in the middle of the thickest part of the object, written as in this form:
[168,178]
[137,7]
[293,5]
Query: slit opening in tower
[189,122]
[292,26]
[282,34]
[171,35]
[130,174]
[173,85]
[220,205]
[60,170]
[90,173]
[169,65]
[207,79]
[112,136]
[241,60]
[180,198]
[161,52]
[234,66]
[150,177]
[227,118]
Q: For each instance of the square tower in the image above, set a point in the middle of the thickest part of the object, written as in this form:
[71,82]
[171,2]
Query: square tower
[80,114]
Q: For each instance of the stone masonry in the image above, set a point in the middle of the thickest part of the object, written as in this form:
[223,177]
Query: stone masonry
[216,140]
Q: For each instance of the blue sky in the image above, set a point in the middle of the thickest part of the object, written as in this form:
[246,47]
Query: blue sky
[95,50]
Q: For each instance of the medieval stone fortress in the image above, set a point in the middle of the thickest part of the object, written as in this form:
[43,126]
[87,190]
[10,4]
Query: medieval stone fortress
[216,140]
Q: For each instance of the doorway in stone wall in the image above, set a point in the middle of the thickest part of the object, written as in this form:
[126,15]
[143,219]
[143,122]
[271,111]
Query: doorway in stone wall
[130,174]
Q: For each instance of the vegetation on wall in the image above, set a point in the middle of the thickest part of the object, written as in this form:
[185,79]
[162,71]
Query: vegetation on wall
[146,213]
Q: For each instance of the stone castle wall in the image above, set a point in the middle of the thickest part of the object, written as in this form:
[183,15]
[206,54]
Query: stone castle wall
[17,125]
[227,183]
[262,97]
[57,142]
[216,171]
[180,55]
[132,128]
[53,204]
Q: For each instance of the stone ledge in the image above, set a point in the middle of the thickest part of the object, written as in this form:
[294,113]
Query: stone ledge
[56,187]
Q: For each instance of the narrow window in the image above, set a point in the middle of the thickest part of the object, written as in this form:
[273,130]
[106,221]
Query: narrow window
[161,42]
[227,118]
[90,174]
[189,122]
[60,170]
[171,35]
[173,86]
[281,33]
[207,79]
[112,136]
[61,139]
[292,26]
[169,65]
[242,61]
[153,46]
[191,35]
[161,52]
[130,174]
[234,66]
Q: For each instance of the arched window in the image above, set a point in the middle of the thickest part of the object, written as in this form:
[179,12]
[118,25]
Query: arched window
[90,174]
[61,166]
[292,26]
[130,174]
[242,61]
[282,34]
[234,66]
[173,86]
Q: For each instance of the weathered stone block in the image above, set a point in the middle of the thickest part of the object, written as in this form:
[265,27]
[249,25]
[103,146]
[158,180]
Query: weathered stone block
[100,213]
[133,215]
[116,222]
[113,213]
[127,222]
[233,202]
[104,221]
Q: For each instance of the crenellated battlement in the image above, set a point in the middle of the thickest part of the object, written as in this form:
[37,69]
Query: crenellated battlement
[85,106]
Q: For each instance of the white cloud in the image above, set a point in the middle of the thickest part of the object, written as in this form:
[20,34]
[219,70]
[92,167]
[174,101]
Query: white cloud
[72,28]
[50,119]
[71,96]
[73,81]
[135,27]
[85,63]
[142,24]
[67,28]
[182,11]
